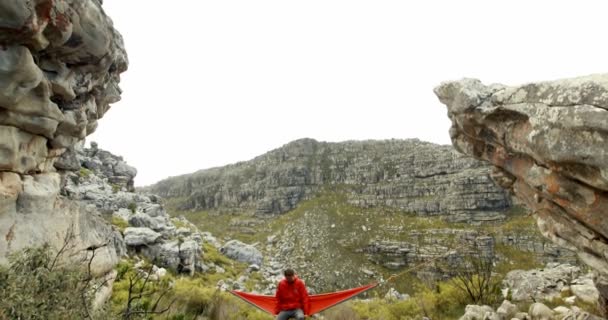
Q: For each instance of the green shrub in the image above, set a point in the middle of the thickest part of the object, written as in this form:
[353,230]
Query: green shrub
[84,172]
[34,287]
[135,296]
[115,187]
[120,223]
[192,296]
[344,311]
[373,309]
[132,206]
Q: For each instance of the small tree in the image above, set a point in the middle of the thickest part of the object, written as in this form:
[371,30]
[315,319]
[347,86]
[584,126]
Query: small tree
[473,275]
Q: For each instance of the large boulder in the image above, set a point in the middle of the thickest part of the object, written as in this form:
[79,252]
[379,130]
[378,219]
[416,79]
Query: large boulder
[548,142]
[180,256]
[539,311]
[140,236]
[242,252]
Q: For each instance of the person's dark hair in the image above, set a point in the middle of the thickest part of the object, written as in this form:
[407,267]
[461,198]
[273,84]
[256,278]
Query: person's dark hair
[289,272]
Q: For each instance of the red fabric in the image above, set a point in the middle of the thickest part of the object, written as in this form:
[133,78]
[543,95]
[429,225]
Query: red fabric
[318,302]
[292,296]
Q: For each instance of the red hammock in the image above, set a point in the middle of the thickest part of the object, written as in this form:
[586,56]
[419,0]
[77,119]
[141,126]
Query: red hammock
[318,302]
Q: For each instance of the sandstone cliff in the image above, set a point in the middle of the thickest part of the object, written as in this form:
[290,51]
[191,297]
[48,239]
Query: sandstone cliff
[548,142]
[409,175]
[60,63]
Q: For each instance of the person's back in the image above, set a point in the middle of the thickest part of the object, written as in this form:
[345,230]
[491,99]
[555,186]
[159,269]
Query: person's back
[292,297]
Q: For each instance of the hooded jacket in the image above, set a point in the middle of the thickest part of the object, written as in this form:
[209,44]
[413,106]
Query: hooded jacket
[292,296]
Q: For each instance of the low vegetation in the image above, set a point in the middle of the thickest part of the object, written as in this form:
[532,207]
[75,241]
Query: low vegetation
[33,286]
[36,285]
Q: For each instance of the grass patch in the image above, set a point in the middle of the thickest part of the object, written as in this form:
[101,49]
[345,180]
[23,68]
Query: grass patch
[120,223]
[513,259]
[84,172]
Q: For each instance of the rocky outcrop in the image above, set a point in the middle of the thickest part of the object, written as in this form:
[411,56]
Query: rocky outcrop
[411,175]
[104,183]
[555,282]
[551,282]
[60,63]
[548,142]
[425,245]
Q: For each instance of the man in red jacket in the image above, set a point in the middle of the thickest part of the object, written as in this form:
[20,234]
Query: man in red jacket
[292,297]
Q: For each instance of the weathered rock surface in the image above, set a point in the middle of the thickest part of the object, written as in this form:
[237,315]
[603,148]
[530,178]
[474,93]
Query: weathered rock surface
[411,175]
[60,63]
[243,252]
[35,213]
[550,282]
[549,144]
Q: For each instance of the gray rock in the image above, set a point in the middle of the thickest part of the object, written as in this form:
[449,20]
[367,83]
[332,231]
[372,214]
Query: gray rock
[123,169]
[143,220]
[38,193]
[585,289]
[507,310]
[475,312]
[140,236]
[540,284]
[182,257]
[68,161]
[242,252]
[393,294]
[539,311]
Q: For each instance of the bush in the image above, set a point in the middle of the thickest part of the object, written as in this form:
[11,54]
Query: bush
[136,296]
[84,173]
[344,311]
[132,206]
[33,287]
[192,296]
[119,223]
[116,187]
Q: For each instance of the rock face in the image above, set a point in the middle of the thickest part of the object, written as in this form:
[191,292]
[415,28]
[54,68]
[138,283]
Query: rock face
[411,175]
[60,62]
[548,142]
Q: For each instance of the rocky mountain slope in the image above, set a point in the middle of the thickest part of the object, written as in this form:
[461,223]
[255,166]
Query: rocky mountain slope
[409,175]
[378,207]
[548,142]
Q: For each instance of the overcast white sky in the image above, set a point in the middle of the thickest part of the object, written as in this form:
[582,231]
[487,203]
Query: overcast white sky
[216,82]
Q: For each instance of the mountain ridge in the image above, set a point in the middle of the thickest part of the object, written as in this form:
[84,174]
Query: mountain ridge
[413,175]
